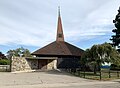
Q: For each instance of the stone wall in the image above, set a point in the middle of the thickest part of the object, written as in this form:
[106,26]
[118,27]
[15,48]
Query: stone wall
[25,64]
[20,64]
[55,64]
[50,64]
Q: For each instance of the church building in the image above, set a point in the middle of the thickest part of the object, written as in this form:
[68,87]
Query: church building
[58,54]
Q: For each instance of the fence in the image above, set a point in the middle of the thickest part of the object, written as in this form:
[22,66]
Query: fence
[100,75]
[4,68]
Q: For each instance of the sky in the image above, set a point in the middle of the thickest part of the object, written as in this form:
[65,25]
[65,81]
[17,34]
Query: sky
[32,24]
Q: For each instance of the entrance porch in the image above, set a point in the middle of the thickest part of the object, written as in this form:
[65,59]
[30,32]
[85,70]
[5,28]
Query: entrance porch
[42,63]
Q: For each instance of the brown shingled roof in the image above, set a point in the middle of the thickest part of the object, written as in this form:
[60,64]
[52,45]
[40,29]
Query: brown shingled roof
[58,49]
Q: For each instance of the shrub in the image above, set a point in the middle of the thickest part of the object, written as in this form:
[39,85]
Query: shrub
[114,67]
[4,62]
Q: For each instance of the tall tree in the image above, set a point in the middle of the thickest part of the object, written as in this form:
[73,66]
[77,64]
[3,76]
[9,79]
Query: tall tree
[116,38]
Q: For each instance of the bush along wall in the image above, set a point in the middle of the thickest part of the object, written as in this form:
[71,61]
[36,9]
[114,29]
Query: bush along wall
[4,62]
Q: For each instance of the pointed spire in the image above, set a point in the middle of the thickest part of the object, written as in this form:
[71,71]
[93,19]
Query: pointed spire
[60,35]
[58,11]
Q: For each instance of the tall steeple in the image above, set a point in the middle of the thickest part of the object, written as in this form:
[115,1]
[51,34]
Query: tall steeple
[60,35]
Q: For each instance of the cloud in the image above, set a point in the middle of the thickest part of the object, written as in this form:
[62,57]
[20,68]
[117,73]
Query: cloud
[33,23]
[97,22]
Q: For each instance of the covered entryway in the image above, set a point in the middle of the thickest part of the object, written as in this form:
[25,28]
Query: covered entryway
[42,64]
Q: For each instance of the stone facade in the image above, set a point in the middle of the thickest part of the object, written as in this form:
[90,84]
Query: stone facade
[25,64]
[52,64]
[20,64]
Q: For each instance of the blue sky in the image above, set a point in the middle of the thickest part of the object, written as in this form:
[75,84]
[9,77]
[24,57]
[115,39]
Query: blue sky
[32,24]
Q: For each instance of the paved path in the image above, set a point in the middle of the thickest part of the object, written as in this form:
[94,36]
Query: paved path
[51,79]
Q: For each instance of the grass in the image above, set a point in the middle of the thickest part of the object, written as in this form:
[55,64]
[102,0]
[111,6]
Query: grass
[105,75]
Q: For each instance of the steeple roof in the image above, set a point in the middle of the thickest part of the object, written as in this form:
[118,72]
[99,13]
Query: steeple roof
[60,35]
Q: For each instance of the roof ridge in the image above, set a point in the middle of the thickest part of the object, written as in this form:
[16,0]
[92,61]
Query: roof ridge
[72,46]
[66,49]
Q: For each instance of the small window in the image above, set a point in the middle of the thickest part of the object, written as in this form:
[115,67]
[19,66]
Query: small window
[59,35]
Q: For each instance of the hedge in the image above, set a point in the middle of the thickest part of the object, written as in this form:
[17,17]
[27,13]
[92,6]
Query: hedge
[4,62]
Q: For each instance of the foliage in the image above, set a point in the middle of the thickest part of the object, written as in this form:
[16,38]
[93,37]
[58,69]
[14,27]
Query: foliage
[19,52]
[4,62]
[2,56]
[116,37]
[114,67]
[101,53]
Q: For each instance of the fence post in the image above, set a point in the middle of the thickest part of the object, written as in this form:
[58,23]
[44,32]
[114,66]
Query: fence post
[100,75]
[118,74]
[84,72]
[10,68]
[74,70]
[109,74]
[79,73]
[68,70]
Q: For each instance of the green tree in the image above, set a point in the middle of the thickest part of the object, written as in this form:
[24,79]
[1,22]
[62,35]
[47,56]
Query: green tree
[116,37]
[101,53]
[94,57]
[19,52]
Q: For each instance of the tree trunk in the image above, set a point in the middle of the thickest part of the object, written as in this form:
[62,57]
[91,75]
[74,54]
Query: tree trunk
[95,69]
[99,66]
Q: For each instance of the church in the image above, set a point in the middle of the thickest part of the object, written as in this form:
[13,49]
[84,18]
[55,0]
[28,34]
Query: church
[61,53]
[56,55]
